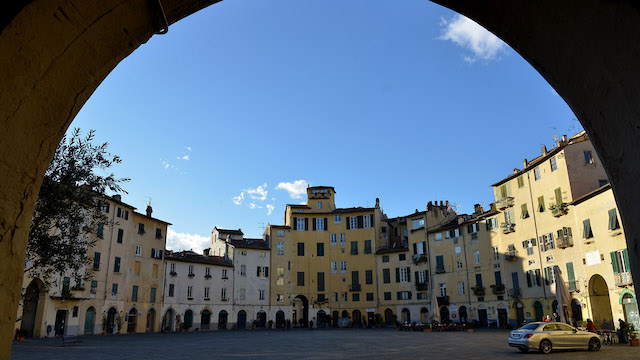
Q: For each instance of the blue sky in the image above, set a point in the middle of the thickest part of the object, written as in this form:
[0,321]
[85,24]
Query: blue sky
[225,119]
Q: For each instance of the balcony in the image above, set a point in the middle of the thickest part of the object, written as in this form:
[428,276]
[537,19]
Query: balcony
[564,242]
[505,202]
[508,227]
[422,286]
[558,210]
[443,300]
[478,290]
[417,259]
[573,286]
[498,289]
[355,287]
[440,269]
[515,293]
[510,256]
[623,278]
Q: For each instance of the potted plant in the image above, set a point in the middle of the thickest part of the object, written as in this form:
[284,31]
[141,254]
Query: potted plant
[21,334]
[118,321]
[104,323]
[270,324]
[470,326]
[630,333]
[255,324]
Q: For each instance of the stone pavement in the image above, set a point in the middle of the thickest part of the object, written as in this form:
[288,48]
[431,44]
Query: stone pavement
[300,344]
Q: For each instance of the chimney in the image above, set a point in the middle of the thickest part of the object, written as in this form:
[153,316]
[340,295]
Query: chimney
[564,139]
[446,203]
[477,209]
[524,163]
[515,170]
[117,197]
[544,150]
[377,203]
[149,210]
[416,211]
[440,202]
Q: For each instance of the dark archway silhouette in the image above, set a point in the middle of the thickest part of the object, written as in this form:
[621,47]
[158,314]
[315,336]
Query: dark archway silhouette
[30,307]
[305,310]
[242,320]
[599,299]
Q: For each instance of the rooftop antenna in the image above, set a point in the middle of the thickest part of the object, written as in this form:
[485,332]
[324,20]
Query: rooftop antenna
[262,227]
[149,200]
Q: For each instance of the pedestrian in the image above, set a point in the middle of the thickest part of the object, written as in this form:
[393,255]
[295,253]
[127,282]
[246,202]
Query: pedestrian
[547,319]
[556,317]
[311,324]
[623,324]
[590,326]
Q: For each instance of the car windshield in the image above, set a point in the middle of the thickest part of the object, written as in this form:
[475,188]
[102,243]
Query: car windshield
[529,327]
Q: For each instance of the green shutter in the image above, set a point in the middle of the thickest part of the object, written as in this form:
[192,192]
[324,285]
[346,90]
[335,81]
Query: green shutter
[571,277]
[614,262]
[558,192]
[625,255]
[397,275]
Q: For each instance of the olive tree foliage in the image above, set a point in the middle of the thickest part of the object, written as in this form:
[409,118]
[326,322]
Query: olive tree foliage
[68,217]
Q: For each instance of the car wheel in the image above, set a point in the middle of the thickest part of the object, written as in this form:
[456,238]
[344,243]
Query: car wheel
[594,344]
[545,346]
[524,349]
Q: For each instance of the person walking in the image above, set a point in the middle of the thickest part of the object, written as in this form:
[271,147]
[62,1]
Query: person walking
[623,324]
[590,326]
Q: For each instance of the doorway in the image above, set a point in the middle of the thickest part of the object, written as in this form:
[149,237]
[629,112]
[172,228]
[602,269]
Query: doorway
[188,319]
[357,318]
[301,302]
[89,321]
[482,317]
[132,321]
[503,318]
[222,320]
[335,315]
[151,320]
[111,320]
[519,313]
[630,307]
[30,308]
[205,319]
[167,324]
[322,319]
[537,309]
[444,315]
[462,314]
[262,319]
[599,298]
[242,320]
[61,320]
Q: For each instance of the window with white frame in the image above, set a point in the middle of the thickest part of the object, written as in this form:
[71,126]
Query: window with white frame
[279,271]
[262,271]
[300,224]
[319,204]
[403,275]
[343,239]
[334,267]
[320,224]
[458,249]
[281,233]
[438,236]
[334,239]
[242,294]
[422,276]
[206,293]
[367,221]
[476,257]
[420,248]
[443,289]
[344,297]
[457,232]
[536,173]
[138,250]
[551,277]
[337,219]
[207,271]
[404,295]
[492,223]
[190,269]
[550,258]
[529,245]
[343,267]
[280,281]
[417,223]
[459,264]
[172,268]
[334,296]
[546,242]
[280,248]
[280,298]
[260,294]
[353,222]
[496,254]
[460,287]
[224,273]
[189,292]
[243,270]
[223,293]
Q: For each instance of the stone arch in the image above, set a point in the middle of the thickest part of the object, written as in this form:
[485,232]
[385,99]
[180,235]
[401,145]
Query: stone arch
[600,300]
[168,319]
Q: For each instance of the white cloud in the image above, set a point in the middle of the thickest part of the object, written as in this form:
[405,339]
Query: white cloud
[467,34]
[238,199]
[188,148]
[295,189]
[254,206]
[166,165]
[186,157]
[270,209]
[259,193]
[185,241]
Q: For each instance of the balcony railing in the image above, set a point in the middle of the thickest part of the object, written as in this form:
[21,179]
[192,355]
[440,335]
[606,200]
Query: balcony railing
[505,202]
[623,278]
[478,290]
[515,293]
[443,300]
[440,269]
[510,256]
[508,227]
[498,289]
[355,287]
[419,258]
[564,242]
[422,286]
[558,209]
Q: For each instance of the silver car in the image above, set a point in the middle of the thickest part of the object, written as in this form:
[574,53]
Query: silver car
[547,336]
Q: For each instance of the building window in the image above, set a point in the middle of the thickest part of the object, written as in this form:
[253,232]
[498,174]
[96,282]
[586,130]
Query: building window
[152,295]
[320,249]
[536,173]
[355,297]
[280,233]
[354,248]
[243,252]
[263,271]
[300,224]
[243,270]
[524,212]
[334,267]
[224,273]
[120,236]
[554,166]
[343,239]
[206,293]
[438,236]
[368,274]
[387,295]
[172,268]
[116,265]
[280,281]
[280,298]
[300,278]
[100,232]
[541,204]
[587,232]
[369,296]
[529,244]
[320,224]
[191,270]
[189,292]
[492,223]
[459,264]
[460,288]
[367,221]
[620,261]
[154,270]
[96,261]
[613,220]
[343,267]
[404,274]
[114,289]
[496,254]
[588,158]
[422,276]
[260,294]
[300,249]
[320,281]
[443,289]
[141,229]
[242,294]
[319,204]
[386,276]
[367,246]
[520,181]
[602,182]
[549,275]
[337,219]
[207,271]
[172,288]
[417,223]
[546,242]
[124,214]
[158,233]
[476,257]
[280,248]
[458,249]
[402,257]
[334,239]
[385,258]
[223,294]
[138,250]
[134,294]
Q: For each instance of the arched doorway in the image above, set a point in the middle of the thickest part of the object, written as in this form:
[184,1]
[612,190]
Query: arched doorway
[89,320]
[280,321]
[462,314]
[630,308]
[576,310]
[30,307]
[444,315]
[519,313]
[599,298]
[242,320]
[406,316]
[111,320]
[388,317]
[424,315]
[301,310]
[151,320]
[167,321]
[334,321]
[537,309]
[188,319]
[322,319]
[345,314]
[132,320]
[262,319]
[222,320]
[205,319]
[357,318]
